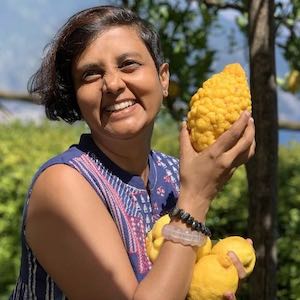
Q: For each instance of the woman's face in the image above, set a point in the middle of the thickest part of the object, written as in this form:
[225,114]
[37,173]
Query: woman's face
[117,86]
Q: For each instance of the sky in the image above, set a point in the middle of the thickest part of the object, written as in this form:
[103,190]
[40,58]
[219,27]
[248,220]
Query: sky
[26,26]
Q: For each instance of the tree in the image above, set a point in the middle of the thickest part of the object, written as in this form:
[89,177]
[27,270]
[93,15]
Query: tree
[289,18]
[262,169]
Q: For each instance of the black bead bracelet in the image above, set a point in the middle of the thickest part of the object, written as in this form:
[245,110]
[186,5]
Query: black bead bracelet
[186,218]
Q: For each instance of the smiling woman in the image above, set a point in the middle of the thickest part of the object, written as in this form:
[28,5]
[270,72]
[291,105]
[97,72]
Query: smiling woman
[130,87]
[89,209]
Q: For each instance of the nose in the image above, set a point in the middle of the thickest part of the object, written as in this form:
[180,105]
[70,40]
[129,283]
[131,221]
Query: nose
[113,82]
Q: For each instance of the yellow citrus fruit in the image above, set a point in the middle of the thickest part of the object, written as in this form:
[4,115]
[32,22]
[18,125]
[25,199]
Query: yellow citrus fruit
[217,105]
[293,81]
[241,247]
[154,240]
[213,276]
[205,249]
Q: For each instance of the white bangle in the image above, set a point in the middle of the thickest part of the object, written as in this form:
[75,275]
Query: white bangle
[183,236]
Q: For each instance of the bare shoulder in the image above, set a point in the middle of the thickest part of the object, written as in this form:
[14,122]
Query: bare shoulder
[55,184]
[66,221]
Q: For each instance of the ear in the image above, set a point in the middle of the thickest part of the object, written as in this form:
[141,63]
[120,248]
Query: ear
[164,77]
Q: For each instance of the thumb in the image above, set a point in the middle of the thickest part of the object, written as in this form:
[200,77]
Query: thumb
[186,147]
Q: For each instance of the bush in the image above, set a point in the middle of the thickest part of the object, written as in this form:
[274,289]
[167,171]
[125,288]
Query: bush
[23,148]
[289,223]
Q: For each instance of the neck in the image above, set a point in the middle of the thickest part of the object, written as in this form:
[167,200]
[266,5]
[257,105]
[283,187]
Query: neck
[130,154]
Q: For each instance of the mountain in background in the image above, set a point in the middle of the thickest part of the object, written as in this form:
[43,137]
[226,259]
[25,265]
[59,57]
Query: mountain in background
[27,26]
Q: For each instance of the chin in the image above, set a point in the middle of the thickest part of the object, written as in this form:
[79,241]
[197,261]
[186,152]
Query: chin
[129,132]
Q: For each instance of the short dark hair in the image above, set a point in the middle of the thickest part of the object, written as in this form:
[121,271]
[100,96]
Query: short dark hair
[53,83]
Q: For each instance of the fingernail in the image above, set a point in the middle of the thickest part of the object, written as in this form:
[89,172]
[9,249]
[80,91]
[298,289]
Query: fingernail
[183,125]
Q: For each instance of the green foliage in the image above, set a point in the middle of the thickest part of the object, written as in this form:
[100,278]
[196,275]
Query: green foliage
[289,223]
[289,18]
[22,149]
[165,136]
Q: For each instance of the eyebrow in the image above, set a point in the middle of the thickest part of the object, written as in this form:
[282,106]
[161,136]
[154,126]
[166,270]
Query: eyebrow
[88,66]
[123,56]
[130,54]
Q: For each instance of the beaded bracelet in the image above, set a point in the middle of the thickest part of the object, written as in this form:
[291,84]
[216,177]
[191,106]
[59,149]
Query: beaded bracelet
[189,220]
[183,236]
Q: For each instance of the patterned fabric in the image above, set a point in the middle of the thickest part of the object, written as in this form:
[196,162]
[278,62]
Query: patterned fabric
[133,207]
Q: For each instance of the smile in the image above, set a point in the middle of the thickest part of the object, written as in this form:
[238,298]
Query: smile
[119,106]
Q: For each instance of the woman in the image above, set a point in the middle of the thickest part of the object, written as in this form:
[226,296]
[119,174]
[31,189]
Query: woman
[89,208]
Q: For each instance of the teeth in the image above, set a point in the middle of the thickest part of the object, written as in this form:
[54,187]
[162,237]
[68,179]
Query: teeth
[119,106]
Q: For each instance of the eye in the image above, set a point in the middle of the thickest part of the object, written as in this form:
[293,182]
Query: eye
[91,75]
[129,65]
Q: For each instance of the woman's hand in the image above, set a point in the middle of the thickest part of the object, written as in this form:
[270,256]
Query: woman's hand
[203,174]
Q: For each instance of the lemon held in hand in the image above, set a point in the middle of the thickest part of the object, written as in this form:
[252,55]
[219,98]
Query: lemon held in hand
[215,274]
[217,105]
[241,247]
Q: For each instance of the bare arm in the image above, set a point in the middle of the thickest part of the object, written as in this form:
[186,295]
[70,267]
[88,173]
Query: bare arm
[75,239]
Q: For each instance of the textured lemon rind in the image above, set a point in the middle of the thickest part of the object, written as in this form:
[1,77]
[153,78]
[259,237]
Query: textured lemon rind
[217,105]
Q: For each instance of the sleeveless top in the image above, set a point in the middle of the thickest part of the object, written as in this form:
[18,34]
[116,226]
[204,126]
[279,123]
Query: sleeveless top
[133,208]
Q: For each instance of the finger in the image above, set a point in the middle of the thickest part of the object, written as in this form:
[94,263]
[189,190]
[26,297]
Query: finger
[230,137]
[238,265]
[244,148]
[250,241]
[246,140]
[186,147]
[252,148]
[244,157]
[229,296]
